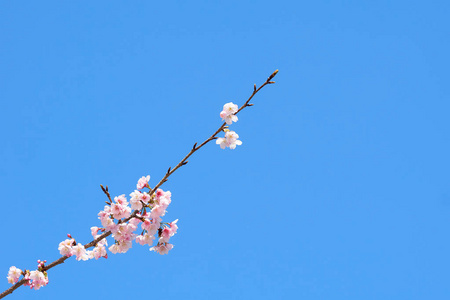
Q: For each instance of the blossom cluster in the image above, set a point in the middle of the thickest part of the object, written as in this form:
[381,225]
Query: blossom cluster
[34,279]
[144,211]
[148,212]
[69,248]
[228,114]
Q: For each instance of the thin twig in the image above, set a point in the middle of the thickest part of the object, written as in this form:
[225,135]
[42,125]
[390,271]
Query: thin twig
[170,171]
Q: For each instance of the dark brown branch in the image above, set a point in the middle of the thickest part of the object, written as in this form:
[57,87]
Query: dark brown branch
[13,288]
[170,171]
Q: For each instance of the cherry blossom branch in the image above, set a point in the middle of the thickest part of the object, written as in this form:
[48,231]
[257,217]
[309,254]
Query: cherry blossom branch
[213,136]
[135,214]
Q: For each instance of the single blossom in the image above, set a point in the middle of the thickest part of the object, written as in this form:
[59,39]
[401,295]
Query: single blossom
[94,230]
[145,239]
[151,226]
[120,247]
[165,235]
[14,274]
[120,211]
[80,252]
[162,248]
[228,113]
[143,182]
[99,251]
[157,212]
[65,247]
[135,200]
[122,200]
[173,227]
[38,279]
[125,232]
[230,140]
[114,249]
[145,197]
[135,221]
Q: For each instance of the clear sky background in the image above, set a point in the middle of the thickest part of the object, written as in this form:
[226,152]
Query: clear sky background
[339,191]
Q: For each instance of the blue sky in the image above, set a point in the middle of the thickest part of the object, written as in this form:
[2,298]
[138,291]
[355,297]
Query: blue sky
[339,191]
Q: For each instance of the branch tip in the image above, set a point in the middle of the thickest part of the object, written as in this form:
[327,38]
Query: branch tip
[273,75]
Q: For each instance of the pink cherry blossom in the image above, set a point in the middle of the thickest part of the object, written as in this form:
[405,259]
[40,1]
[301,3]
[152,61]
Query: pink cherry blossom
[151,226]
[228,113]
[38,279]
[157,212]
[125,232]
[165,235]
[159,193]
[14,274]
[120,247]
[120,211]
[145,239]
[145,197]
[122,200]
[173,227]
[162,248]
[80,252]
[114,249]
[135,200]
[164,202]
[94,230]
[135,221]
[99,251]
[65,247]
[230,140]
[143,182]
